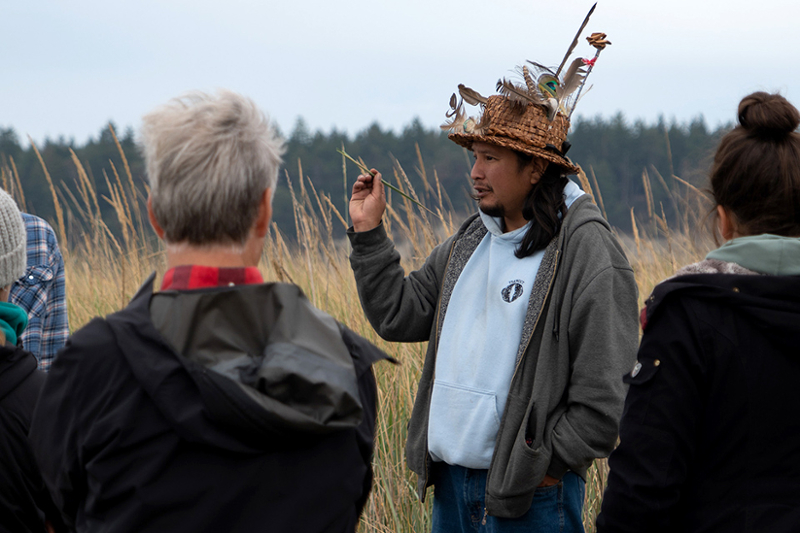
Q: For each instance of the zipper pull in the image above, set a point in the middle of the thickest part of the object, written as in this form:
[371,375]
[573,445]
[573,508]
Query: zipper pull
[485,513]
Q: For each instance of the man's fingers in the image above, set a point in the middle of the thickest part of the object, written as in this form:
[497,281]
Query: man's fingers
[362,182]
[369,183]
[377,180]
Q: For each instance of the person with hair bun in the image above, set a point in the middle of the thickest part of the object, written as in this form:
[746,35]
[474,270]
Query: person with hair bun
[710,434]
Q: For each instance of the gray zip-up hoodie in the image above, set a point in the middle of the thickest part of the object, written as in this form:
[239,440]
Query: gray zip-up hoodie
[579,337]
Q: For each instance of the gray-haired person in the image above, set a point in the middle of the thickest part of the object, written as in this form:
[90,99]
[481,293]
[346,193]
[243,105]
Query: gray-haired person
[220,403]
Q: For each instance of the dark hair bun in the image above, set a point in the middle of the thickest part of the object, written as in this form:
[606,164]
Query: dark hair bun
[768,114]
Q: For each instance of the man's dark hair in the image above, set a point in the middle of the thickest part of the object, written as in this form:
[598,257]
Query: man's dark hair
[544,203]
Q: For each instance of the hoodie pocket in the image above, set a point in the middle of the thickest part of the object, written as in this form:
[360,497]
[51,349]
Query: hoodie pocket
[525,459]
[463,425]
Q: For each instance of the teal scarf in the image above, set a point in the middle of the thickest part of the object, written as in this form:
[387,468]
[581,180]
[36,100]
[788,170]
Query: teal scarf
[13,321]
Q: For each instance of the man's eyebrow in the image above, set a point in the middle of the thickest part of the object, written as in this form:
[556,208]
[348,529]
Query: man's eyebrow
[484,150]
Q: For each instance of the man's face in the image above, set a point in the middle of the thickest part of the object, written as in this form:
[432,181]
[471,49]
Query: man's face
[500,185]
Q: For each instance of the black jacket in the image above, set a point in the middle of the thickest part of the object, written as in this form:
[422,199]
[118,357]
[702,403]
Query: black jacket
[225,409]
[710,435]
[24,499]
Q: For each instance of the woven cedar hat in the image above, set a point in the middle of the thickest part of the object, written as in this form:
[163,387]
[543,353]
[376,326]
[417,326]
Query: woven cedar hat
[524,129]
[531,117]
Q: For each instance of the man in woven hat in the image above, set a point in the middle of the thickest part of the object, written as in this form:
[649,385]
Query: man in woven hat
[219,403]
[530,311]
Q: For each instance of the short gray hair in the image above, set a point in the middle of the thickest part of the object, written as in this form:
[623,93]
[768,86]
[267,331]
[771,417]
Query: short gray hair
[209,160]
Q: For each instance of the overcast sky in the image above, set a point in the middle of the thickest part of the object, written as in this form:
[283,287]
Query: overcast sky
[69,67]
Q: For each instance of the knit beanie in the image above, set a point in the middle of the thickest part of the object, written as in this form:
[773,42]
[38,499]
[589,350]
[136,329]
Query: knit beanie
[13,258]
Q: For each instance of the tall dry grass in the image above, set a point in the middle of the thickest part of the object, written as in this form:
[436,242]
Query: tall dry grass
[104,269]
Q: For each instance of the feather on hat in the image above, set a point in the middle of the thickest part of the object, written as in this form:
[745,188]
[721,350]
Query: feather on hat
[532,116]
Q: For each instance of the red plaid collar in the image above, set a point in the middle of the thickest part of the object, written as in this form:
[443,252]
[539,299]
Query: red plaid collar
[187,277]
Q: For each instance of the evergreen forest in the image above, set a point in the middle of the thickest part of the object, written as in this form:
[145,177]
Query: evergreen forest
[613,151]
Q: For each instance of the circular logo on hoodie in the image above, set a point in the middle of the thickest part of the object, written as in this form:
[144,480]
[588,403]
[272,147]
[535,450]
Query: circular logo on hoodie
[513,291]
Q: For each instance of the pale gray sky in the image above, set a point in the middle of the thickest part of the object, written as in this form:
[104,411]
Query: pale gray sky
[68,67]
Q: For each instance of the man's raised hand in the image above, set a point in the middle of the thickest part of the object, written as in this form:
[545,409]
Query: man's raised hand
[368,202]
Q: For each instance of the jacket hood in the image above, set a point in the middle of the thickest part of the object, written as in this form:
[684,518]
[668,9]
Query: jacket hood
[581,211]
[15,365]
[236,367]
[495,224]
[765,254]
[770,303]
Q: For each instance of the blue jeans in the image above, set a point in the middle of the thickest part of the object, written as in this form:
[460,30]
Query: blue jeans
[459,507]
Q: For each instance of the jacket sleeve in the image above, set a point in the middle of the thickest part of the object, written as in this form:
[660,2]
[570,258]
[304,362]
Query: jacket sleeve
[603,334]
[55,324]
[41,292]
[650,466]
[400,308]
[364,355]
[64,415]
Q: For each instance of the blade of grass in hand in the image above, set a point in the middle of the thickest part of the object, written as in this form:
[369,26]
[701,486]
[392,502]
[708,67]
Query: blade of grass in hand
[364,168]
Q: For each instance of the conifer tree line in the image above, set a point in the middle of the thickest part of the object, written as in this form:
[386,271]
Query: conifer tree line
[613,151]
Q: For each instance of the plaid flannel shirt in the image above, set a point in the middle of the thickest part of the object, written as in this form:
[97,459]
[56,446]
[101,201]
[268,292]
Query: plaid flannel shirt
[42,293]
[188,277]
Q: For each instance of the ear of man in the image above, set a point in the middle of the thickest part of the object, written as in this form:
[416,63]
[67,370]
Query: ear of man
[537,168]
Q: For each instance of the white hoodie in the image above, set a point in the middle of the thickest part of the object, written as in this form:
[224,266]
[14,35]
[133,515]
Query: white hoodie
[478,345]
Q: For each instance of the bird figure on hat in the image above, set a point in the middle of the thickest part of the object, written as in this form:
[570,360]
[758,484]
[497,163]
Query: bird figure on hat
[558,91]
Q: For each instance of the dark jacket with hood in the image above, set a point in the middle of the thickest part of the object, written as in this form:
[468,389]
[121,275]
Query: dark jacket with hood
[224,409]
[710,435]
[24,499]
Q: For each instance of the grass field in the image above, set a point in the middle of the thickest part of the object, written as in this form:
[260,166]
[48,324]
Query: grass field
[104,270]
